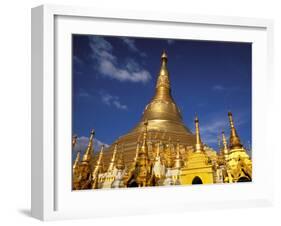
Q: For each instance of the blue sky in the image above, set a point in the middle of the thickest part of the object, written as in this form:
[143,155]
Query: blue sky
[114,79]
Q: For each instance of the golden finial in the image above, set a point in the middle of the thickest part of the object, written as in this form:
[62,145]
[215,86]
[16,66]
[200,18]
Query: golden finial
[234,140]
[164,56]
[224,142]
[230,119]
[89,151]
[198,144]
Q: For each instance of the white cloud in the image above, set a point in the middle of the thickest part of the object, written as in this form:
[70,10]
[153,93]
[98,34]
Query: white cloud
[102,52]
[111,100]
[82,144]
[130,43]
[170,41]
[128,74]
[132,46]
[118,105]
[218,88]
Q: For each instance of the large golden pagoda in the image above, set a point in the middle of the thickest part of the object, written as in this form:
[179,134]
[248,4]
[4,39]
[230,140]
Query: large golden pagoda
[160,150]
[163,116]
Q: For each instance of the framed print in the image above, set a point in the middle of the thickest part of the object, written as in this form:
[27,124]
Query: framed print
[134,112]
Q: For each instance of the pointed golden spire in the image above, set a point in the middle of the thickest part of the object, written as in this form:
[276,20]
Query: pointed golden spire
[99,162]
[113,159]
[234,140]
[97,169]
[89,151]
[77,160]
[198,144]
[224,142]
[163,88]
[164,60]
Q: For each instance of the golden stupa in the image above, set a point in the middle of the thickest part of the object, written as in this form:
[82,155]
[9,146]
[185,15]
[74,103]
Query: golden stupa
[160,150]
[163,116]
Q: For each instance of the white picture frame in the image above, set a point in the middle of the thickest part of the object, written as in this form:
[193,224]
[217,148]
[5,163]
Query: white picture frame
[52,197]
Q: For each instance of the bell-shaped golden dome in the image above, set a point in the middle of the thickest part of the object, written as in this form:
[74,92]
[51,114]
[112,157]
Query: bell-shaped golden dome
[162,112]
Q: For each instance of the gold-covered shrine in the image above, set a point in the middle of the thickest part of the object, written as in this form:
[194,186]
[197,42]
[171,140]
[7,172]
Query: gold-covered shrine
[161,150]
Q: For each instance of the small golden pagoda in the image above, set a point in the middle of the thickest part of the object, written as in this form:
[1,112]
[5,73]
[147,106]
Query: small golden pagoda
[199,168]
[160,150]
[238,162]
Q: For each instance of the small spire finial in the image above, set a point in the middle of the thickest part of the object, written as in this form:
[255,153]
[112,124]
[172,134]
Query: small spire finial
[100,155]
[88,153]
[230,119]
[198,144]
[234,140]
[164,55]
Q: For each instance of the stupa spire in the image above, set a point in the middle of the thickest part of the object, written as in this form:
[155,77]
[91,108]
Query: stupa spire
[198,144]
[99,162]
[89,151]
[163,88]
[234,140]
[98,169]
